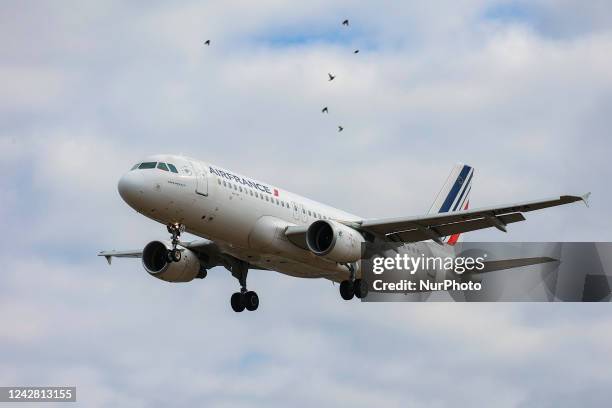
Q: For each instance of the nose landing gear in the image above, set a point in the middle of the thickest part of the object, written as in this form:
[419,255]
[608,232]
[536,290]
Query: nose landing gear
[174,254]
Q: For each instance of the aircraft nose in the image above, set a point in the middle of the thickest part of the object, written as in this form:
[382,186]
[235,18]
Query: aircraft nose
[130,187]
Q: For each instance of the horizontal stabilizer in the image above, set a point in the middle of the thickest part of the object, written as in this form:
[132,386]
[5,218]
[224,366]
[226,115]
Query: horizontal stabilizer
[492,266]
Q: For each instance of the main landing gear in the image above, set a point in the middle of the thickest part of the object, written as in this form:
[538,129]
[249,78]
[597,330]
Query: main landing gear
[245,299]
[174,254]
[353,287]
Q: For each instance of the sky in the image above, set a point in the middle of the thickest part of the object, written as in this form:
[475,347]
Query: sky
[520,90]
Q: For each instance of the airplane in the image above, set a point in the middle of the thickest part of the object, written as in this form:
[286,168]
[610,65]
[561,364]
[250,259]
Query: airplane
[244,224]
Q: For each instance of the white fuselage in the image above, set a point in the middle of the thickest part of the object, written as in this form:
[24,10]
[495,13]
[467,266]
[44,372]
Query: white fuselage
[245,217]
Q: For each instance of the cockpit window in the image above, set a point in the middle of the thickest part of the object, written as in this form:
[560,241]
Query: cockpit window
[147,165]
[172,168]
[162,166]
[134,167]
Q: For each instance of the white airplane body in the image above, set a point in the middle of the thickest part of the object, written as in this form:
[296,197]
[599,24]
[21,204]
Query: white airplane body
[247,224]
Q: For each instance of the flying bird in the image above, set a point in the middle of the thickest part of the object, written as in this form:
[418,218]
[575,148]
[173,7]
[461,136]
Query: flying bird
[356,52]
[324,110]
[331,77]
[207,42]
[345,23]
[340,128]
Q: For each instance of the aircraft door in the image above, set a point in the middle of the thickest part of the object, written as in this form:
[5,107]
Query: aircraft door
[296,210]
[201,179]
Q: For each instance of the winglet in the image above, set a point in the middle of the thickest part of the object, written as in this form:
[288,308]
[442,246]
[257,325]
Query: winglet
[108,259]
[585,198]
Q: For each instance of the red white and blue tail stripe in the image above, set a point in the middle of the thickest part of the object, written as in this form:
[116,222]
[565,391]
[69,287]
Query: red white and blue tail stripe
[454,195]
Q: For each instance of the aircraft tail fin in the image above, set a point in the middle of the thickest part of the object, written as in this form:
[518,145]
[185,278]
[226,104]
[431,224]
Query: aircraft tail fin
[454,195]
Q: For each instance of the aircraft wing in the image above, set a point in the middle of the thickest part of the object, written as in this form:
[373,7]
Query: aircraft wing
[436,226]
[202,247]
[209,254]
[109,255]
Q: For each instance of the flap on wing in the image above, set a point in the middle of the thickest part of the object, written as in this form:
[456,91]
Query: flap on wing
[198,244]
[416,234]
[297,235]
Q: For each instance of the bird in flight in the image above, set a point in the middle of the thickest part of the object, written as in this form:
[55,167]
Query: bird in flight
[340,128]
[356,52]
[345,23]
[331,77]
[324,110]
[207,42]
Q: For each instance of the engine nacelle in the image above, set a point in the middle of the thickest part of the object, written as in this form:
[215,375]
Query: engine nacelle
[155,261]
[334,241]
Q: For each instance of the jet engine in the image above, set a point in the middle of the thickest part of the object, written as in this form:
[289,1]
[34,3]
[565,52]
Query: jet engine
[334,241]
[156,261]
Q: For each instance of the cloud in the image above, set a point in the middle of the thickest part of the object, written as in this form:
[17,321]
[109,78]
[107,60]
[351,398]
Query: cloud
[121,335]
[91,88]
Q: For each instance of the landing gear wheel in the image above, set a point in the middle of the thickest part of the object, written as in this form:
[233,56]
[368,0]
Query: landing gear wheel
[361,288]
[251,300]
[347,290]
[174,255]
[237,302]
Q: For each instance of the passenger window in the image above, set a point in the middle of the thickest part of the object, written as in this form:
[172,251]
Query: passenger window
[240,188]
[172,168]
[162,166]
[235,187]
[134,167]
[309,213]
[224,185]
[147,165]
[251,192]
